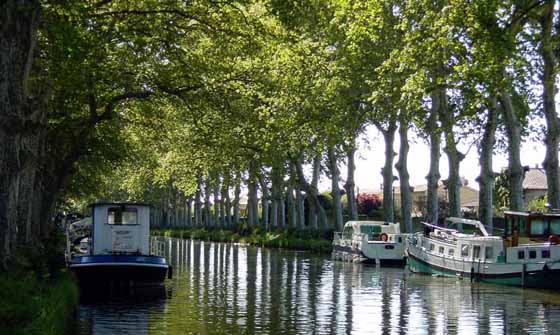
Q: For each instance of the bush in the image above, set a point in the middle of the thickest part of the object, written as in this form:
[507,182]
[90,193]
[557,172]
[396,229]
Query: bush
[368,203]
[36,306]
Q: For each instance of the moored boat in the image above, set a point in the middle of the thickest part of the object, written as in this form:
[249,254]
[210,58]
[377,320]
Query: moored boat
[119,248]
[370,242]
[526,254]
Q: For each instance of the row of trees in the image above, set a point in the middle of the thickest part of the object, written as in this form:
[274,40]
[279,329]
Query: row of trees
[186,103]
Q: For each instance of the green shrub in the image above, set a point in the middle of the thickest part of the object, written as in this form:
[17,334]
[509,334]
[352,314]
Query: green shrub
[36,306]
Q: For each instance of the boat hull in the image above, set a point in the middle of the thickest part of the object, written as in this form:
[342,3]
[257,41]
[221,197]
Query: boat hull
[346,253]
[547,279]
[98,269]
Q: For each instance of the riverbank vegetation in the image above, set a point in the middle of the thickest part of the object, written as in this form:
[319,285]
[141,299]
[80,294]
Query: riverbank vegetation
[191,105]
[32,305]
[294,240]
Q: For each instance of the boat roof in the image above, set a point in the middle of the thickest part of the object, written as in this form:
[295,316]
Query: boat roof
[532,213]
[99,204]
[368,223]
[456,220]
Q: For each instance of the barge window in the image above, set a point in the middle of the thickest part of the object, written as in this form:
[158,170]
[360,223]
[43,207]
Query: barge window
[555,226]
[532,254]
[489,252]
[476,251]
[538,227]
[521,254]
[432,247]
[464,250]
[122,216]
[441,250]
[451,252]
[545,254]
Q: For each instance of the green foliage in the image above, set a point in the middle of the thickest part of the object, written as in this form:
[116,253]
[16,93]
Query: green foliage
[36,306]
[538,204]
[286,239]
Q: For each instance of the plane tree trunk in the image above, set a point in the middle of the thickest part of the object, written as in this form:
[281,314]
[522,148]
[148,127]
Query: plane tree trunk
[387,170]
[335,190]
[549,76]
[404,177]
[486,178]
[515,169]
[432,127]
[21,124]
[350,185]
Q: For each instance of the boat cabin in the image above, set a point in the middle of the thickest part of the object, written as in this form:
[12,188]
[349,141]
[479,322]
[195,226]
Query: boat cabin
[531,227]
[373,230]
[120,228]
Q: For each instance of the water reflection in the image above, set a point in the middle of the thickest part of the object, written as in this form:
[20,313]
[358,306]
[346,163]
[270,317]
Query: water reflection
[230,289]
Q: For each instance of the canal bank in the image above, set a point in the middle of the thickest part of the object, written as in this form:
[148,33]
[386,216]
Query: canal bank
[292,240]
[33,304]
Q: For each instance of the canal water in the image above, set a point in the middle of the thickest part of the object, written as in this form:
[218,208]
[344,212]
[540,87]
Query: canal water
[221,288]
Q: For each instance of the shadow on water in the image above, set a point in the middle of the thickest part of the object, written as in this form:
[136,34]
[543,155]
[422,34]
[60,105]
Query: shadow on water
[232,289]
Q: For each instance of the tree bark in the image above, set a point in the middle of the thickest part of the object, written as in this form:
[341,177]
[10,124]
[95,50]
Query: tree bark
[216,191]
[311,192]
[404,177]
[515,169]
[265,202]
[486,178]
[227,201]
[198,202]
[335,190]
[313,224]
[253,213]
[208,204]
[291,204]
[350,185]
[299,201]
[549,108]
[387,170]
[454,157]
[236,199]
[21,121]
[433,176]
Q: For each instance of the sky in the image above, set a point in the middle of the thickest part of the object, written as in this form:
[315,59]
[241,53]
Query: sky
[370,158]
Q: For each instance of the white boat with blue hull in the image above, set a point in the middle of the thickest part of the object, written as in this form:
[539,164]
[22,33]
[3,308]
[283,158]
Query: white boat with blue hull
[119,248]
[375,242]
[526,254]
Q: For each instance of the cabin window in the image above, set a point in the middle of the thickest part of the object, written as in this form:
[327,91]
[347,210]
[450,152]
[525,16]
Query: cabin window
[522,226]
[545,254]
[400,239]
[465,250]
[532,254]
[538,227]
[521,254]
[451,252]
[555,226]
[489,252]
[432,247]
[122,216]
[423,244]
[476,251]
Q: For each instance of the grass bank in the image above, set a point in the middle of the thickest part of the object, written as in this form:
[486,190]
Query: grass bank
[289,239]
[32,305]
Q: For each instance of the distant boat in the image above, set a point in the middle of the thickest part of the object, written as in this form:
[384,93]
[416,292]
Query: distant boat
[526,254]
[370,242]
[119,247]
